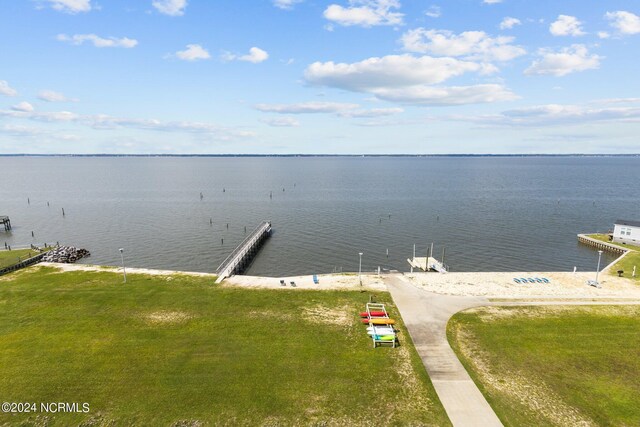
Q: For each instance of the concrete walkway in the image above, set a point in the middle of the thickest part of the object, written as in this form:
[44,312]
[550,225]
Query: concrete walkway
[426,316]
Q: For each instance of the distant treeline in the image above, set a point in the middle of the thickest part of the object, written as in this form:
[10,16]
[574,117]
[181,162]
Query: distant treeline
[321,155]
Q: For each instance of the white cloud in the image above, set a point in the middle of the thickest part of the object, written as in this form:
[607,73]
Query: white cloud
[170,7]
[255,55]
[97,41]
[434,11]
[52,96]
[566,25]
[23,106]
[7,90]
[443,95]
[568,60]
[106,122]
[193,52]
[558,114]
[340,109]
[46,116]
[388,71]
[281,121]
[70,6]
[409,80]
[491,1]
[508,23]
[603,35]
[373,112]
[623,21]
[26,131]
[306,107]
[365,13]
[286,4]
[471,45]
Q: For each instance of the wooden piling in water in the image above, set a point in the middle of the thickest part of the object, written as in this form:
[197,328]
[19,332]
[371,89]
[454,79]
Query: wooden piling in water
[6,222]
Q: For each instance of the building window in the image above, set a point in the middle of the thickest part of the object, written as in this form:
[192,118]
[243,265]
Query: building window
[622,231]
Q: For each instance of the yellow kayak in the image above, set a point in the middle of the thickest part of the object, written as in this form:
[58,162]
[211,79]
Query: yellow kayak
[379,321]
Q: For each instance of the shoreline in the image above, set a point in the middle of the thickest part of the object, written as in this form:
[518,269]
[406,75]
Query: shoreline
[493,285]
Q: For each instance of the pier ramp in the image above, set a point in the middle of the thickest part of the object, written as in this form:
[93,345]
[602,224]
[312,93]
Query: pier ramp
[244,253]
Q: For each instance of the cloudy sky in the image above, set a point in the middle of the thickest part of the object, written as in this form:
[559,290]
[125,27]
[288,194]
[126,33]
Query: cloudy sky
[312,76]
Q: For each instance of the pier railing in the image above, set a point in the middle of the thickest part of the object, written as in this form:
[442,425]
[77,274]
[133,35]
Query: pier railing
[242,253]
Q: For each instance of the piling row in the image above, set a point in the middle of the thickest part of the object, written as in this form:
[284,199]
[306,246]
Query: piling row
[6,222]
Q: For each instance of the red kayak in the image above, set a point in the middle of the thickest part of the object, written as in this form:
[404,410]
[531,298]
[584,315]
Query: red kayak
[373,314]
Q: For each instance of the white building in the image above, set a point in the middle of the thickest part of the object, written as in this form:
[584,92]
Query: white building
[626,232]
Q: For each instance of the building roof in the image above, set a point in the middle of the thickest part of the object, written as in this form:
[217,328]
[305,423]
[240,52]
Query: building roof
[628,222]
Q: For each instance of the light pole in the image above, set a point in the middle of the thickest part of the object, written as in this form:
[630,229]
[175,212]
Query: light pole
[414,257]
[360,268]
[124,271]
[598,269]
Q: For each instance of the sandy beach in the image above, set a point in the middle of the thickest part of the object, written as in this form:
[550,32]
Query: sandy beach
[502,285]
[325,281]
[563,285]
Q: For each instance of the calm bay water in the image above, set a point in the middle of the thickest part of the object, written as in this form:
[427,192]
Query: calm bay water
[491,214]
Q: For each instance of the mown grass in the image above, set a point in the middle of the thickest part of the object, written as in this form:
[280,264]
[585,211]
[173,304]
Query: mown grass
[628,262]
[179,350]
[8,258]
[554,365]
[605,238]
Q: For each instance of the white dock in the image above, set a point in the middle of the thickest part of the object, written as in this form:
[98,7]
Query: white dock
[244,253]
[428,264]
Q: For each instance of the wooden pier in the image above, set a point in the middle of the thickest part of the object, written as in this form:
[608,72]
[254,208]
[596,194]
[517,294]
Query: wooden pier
[428,264]
[600,245]
[242,256]
[6,222]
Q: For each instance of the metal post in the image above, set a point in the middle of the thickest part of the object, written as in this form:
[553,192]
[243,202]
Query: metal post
[124,271]
[414,257]
[598,269]
[360,269]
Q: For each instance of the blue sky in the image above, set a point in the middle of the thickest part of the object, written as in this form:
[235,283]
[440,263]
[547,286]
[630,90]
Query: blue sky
[311,76]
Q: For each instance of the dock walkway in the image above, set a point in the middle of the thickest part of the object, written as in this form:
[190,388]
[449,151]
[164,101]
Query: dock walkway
[244,253]
[6,222]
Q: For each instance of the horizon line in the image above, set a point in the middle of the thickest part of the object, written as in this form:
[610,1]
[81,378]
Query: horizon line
[319,155]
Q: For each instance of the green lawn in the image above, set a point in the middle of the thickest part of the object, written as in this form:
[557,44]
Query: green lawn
[628,262]
[8,258]
[605,238]
[178,350]
[554,366]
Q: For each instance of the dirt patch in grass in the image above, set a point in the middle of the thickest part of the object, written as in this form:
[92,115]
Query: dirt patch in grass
[270,314]
[166,317]
[339,316]
[530,392]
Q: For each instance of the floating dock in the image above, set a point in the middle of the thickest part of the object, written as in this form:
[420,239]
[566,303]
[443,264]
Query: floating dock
[428,264]
[6,222]
[244,253]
